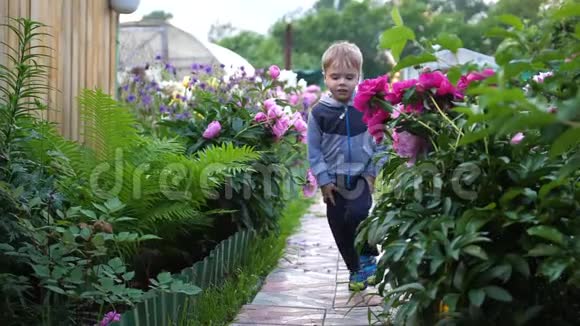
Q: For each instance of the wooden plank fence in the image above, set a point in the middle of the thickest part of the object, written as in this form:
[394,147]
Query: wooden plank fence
[84,42]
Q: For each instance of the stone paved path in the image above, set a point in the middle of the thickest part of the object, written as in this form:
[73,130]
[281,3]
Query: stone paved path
[310,285]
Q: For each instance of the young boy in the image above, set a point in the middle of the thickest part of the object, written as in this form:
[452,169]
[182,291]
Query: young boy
[340,153]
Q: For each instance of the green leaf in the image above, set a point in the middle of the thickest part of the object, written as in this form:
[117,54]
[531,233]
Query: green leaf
[114,205]
[128,276]
[568,10]
[577,30]
[41,271]
[544,250]
[476,251]
[449,41]
[512,21]
[567,140]
[476,297]
[397,19]
[55,289]
[407,288]
[498,293]
[396,38]
[548,233]
[519,264]
[413,60]
[553,268]
[149,237]
[89,213]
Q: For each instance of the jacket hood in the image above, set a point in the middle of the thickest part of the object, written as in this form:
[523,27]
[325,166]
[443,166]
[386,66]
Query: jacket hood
[330,101]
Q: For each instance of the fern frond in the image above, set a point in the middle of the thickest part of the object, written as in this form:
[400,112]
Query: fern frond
[109,127]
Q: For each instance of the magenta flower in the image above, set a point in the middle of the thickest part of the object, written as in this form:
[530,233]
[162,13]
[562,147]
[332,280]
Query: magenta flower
[308,99]
[376,124]
[398,90]
[367,90]
[274,71]
[473,76]
[309,189]
[408,145]
[517,138]
[110,317]
[212,130]
[280,127]
[539,78]
[260,117]
[430,80]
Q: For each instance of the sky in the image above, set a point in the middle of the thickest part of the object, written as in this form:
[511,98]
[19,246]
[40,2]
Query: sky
[196,16]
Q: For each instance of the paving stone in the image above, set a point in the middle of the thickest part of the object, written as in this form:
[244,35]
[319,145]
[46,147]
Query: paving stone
[279,315]
[310,284]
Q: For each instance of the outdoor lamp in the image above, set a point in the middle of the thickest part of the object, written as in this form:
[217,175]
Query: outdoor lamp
[124,6]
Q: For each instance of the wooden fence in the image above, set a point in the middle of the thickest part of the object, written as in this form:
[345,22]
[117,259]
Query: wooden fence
[84,42]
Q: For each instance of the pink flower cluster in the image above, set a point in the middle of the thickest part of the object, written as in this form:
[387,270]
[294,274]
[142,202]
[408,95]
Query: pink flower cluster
[373,94]
[280,121]
[212,130]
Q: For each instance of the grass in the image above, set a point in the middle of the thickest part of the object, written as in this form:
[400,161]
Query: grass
[220,305]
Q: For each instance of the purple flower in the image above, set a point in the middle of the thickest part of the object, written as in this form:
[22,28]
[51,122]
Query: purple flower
[125,87]
[131,98]
[222,66]
[110,317]
[202,85]
[163,109]
[158,57]
[208,69]
[194,66]
[212,130]
[146,99]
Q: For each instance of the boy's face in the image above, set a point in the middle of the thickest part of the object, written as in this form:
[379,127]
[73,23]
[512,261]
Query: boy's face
[341,82]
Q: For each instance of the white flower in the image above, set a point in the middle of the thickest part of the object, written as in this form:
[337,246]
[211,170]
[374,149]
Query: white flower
[302,84]
[153,74]
[289,77]
[288,110]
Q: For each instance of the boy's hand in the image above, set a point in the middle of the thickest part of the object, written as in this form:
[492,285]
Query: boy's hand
[371,181]
[328,193]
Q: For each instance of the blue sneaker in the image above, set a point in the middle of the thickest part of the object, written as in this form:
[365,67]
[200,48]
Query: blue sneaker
[368,269]
[357,281]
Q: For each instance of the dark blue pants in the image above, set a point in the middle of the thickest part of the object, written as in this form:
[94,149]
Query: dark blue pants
[352,207]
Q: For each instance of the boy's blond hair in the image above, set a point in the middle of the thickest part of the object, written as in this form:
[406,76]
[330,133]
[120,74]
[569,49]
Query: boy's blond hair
[342,54]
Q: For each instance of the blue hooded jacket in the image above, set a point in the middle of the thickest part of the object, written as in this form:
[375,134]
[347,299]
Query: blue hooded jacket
[339,143]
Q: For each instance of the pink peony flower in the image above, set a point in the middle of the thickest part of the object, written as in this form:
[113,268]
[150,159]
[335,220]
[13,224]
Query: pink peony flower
[313,89]
[274,71]
[464,81]
[408,145]
[309,189]
[280,127]
[274,112]
[430,80]
[294,98]
[212,130]
[269,103]
[398,90]
[517,138]
[260,117]
[367,89]
[376,124]
[300,125]
[308,99]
